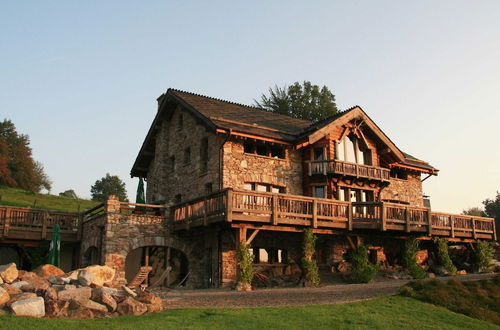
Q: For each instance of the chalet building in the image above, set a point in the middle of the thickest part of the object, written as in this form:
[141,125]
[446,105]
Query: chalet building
[219,173]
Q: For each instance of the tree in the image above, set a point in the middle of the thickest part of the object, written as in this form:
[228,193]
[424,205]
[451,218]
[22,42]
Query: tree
[108,185]
[474,211]
[17,166]
[306,101]
[492,209]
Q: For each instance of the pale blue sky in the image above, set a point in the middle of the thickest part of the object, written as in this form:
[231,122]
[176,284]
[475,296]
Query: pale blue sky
[82,77]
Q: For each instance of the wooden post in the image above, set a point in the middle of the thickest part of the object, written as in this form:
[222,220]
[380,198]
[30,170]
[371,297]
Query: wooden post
[168,265]
[6,224]
[324,164]
[473,228]
[429,222]
[274,215]
[408,228]
[349,216]
[44,225]
[80,226]
[310,168]
[494,230]
[382,217]
[315,214]
[205,221]
[241,235]
[452,225]
[229,206]
[146,261]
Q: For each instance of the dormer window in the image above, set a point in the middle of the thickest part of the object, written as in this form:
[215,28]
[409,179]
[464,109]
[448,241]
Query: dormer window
[260,149]
[354,150]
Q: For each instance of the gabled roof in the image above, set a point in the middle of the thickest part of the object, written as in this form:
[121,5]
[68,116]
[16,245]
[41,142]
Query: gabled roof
[223,116]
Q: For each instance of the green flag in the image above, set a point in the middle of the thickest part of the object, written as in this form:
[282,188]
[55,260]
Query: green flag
[139,198]
[55,247]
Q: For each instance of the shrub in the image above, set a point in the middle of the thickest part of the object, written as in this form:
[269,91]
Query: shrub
[309,265]
[444,256]
[410,260]
[362,270]
[484,255]
[245,264]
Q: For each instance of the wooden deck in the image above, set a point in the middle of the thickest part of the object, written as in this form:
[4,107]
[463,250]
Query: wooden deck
[37,224]
[326,167]
[293,213]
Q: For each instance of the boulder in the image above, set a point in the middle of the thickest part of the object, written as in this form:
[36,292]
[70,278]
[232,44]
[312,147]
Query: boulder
[10,289]
[80,303]
[48,294]
[56,308]
[4,297]
[35,282]
[9,272]
[82,313]
[148,298]
[86,277]
[1,281]
[79,293]
[21,296]
[59,280]
[34,307]
[102,274]
[103,297]
[119,298]
[46,271]
[69,287]
[18,285]
[130,306]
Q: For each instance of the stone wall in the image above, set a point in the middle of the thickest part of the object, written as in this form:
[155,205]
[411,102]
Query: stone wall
[408,191]
[240,167]
[187,178]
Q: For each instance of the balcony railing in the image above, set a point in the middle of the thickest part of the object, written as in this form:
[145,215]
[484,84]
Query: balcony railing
[288,210]
[326,167]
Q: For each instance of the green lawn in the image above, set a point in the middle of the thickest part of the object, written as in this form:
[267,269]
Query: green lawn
[19,197]
[382,313]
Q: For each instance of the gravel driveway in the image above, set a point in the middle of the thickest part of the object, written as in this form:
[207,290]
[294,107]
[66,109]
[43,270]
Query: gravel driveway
[329,294]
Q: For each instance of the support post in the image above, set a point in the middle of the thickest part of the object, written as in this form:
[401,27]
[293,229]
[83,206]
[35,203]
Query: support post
[274,215]
[241,235]
[452,225]
[382,217]
[252,236]
[44,225]
[229,206]
[315,214]
[429,222]
[473,228]
[494,230]
[349,216]
[407,211]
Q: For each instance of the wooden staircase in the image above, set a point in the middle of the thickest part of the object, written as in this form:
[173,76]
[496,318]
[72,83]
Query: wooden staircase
[140,277]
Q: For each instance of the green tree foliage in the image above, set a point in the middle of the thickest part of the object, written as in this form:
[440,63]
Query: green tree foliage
[309,264]
[108,185]
[245,265]
[484,255]
[474,211]
[412,246]
[17,167]
[492,209]
[362,270]
[444,256]
[306,101]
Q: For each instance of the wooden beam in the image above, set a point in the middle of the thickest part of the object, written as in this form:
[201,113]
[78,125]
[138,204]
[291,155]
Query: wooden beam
[288,229]
[252,236]
[315,214]
[351,243]
[256,137]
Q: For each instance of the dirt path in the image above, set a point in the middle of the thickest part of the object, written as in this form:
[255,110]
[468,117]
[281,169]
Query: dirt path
[329,294]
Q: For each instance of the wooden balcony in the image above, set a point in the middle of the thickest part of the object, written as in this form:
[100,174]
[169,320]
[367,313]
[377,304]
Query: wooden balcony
[36,224]
[294,213]
[328,167]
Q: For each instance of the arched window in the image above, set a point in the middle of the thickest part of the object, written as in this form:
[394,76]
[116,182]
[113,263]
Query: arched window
[352,149]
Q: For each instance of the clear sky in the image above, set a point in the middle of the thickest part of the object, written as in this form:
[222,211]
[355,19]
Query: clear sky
[81,78]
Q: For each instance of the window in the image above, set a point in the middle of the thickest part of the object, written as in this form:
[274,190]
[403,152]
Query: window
[187,156]
[263,187]
[319,191]
[180,122]
[347,194]
[264,150]
[172,163]
[399,174]
[352,149]
[204,155]
[319,153]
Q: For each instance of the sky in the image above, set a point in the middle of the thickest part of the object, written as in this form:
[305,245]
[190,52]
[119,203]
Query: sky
[81,78]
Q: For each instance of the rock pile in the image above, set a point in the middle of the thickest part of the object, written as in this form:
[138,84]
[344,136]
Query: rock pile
[83,293]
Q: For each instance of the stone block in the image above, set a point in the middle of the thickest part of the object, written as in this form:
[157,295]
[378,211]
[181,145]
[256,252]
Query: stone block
[46,271]
[34,307]
[9,272]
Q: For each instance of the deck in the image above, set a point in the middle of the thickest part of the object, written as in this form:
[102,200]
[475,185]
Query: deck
[326,167]
[284,212]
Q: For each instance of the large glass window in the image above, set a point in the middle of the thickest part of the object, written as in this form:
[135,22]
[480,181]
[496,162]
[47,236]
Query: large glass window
[352,149]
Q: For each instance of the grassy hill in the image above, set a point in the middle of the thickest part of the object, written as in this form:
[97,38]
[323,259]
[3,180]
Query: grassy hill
[19,197]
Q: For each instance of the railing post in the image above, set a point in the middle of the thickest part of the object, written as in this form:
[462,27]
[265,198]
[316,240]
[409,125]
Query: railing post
[6,224]
[324,165]
[310,168]
[44,225]
[452,225]
[315,214]
[429,222]
[79,234]
[229,205]
[274,214]
[494,230]
[473,228]
[408,228]
[382,217]
[349,216]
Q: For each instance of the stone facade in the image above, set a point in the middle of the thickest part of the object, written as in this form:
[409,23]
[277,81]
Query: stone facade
[406,191]
[240,168]
[175,173]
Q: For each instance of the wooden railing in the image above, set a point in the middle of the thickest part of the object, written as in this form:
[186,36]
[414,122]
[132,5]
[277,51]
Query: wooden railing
[349,169]
[27,223]
[282,209]
[134,213]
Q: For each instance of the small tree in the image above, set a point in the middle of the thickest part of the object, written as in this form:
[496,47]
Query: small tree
[444,255]
[362,270]
[412,246]
[245,266]
[108,185]
[484,255]
[309,264]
